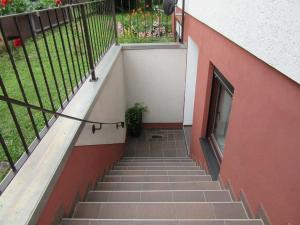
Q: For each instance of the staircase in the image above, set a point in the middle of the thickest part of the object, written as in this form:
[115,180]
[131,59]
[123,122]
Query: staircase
[158,191]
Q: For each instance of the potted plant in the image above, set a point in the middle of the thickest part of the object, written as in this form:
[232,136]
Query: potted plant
[134,118]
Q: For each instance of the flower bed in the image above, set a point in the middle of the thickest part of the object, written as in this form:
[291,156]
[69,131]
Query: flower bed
[14,6]
[19,6]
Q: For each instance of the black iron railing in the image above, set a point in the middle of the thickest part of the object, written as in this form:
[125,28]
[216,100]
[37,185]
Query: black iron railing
[45,56]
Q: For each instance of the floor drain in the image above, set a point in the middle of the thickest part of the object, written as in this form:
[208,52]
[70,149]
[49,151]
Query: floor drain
[156,136]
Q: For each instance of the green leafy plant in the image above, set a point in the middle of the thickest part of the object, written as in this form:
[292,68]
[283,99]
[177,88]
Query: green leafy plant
[134,118]
[19,6]
[43,4]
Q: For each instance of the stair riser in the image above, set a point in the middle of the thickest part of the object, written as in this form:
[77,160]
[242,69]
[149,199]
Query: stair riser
[158,172]
[160,211]
[159,222]
[150,178]
[156,164]
[157,160]
[114,186]
[156,168]
[159,196]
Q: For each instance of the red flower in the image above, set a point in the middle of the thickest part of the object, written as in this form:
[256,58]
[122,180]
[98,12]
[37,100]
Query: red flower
[57,2]
[3,3]
[17,42]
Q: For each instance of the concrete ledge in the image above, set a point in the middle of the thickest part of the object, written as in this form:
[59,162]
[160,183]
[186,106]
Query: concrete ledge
[143,46]
[25,197]
[162,125]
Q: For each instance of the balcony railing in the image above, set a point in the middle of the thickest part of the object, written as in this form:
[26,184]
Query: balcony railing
[46,55]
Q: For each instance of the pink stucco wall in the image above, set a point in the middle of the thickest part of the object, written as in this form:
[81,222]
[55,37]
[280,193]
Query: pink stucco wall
[84,166]
[262,149]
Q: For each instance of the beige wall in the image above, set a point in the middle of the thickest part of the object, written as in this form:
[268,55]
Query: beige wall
[109,107]
[156,77]
[267,29]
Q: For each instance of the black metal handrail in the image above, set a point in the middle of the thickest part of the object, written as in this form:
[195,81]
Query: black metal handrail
[54,113]
[47,56]
[57,114]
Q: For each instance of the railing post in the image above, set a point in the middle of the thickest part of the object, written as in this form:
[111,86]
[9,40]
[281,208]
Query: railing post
[88,43]
[115,21]
[182,21]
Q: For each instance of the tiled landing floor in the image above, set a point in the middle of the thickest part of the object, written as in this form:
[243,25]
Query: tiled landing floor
[157,143]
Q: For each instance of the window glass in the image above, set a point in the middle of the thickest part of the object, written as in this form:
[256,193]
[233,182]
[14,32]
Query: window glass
[222,117]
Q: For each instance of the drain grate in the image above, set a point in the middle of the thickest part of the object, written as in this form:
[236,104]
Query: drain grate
[157,136]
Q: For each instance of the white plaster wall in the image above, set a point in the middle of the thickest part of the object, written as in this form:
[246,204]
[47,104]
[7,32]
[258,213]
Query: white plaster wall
[156,77]
[110,106]
[269,29]
[190,86]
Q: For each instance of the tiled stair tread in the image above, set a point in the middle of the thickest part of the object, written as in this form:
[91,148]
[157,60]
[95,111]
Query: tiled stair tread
[199,185]
[172,153]
[145,190]
[161,210]
[156,160]
[149,157]
[76,221]
[155,178]
[159,196]
[156,172]
[156,167]
[155,164]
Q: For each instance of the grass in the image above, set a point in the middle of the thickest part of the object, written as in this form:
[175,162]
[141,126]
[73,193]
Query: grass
[2,174]
[134,26]
[7,126]
[8,129]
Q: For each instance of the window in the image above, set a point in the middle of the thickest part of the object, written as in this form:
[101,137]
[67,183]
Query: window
[220,107]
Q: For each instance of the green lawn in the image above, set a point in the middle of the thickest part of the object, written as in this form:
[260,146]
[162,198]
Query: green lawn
[76,66]
[8,129]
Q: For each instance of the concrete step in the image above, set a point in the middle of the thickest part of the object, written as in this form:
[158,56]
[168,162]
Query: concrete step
[158,153]
[149,157]
[155,178]
[156,168]
[76,221]
[156,160]
[156,164]
[144,186]
[159,196]
[156,172]
[125,210]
